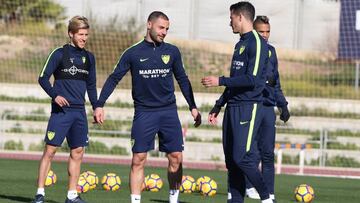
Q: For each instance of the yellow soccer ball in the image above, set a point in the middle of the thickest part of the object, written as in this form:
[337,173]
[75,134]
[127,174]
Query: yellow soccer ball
[153,183]
[50,178]
[111,182]
[198,182]
[188,184]
[208,187]
[82,185]
[304,193]
[91,178]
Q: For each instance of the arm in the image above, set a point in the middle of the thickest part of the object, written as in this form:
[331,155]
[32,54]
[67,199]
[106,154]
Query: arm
[214,112]
[183,80]
[91,81]
[114,78]
[50,66]
[248,79]
[280,99]
[185,87]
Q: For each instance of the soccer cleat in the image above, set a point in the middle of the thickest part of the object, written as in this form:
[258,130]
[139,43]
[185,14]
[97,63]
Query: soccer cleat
[252,193]
[39,198]
[76,200]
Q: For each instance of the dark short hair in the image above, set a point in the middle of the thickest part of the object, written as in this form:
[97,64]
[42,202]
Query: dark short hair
[261,20]
[245,8]
[157,14]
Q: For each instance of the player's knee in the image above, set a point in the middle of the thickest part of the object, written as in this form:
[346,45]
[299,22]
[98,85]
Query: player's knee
[175,160]
[49,152]
[77,153]
[138,160]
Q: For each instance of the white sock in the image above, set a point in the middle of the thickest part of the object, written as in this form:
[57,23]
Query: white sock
[229,195]
[272,196]
[135,198]
[269,200]
[173,196]
[40,191]
[72,194]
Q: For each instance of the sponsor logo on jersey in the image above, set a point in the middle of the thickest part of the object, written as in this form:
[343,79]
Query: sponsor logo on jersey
[165,58]
[143,59]
[154,73]
[74,70]
[237,64]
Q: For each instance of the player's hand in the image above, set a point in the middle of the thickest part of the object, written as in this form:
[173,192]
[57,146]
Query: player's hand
[197,117]
[99,115]
[210,81]
[284,113]
[212,118]
[61,101]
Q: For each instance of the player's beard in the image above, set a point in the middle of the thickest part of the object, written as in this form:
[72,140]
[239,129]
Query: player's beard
[155,37]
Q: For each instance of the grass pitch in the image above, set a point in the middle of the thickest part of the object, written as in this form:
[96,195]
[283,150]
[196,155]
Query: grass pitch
[18,184]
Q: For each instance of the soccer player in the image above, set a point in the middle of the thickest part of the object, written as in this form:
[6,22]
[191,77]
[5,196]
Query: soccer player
[273,96]
[73,68]
[243,95]
[152,64]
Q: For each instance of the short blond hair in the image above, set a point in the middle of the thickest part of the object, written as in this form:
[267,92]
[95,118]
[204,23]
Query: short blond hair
[78,22]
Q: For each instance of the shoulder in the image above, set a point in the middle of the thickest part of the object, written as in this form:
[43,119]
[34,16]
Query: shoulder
[56,54]
[91,56]
[134,47]
[172,48]
[272,50]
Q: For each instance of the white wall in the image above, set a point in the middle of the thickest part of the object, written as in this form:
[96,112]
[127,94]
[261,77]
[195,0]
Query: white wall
[296,24]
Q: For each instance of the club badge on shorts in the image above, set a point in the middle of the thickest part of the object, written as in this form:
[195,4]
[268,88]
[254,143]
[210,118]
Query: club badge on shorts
[50,135]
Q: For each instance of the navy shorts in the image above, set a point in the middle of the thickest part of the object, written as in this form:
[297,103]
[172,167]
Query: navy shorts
[164,123]
[70,124]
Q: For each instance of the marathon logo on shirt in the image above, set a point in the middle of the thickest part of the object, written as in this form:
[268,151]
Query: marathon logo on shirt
[237,64]
[154,73]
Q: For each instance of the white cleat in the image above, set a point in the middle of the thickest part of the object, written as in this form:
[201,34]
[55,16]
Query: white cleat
[252,193]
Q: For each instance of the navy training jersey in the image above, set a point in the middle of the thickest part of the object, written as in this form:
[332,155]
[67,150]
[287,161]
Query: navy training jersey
[152,67]
[247,75]
[74,72]
[273,95]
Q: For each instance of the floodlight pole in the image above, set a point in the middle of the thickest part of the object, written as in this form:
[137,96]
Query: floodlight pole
[357,69]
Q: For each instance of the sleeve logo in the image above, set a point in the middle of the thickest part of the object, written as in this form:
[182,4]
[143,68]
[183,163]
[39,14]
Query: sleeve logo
[165,58]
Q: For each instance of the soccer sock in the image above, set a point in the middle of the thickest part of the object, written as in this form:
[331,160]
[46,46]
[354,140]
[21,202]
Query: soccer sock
[40,191]
[135,198]
[72,194]
[173,196]
[272,196]
[269,200]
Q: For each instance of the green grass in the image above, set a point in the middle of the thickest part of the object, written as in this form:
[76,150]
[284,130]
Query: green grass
[18,184]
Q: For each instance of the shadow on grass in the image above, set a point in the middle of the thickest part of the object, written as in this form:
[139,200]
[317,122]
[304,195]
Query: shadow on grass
[22,199]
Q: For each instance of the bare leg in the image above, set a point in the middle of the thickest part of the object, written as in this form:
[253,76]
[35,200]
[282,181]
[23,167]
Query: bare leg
[45,163]
[137,172]
[74,166]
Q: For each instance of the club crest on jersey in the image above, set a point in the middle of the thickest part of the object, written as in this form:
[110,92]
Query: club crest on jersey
[83,59]
[165,58]
[269,53]
[50,135]
[242,49]
[72,60]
